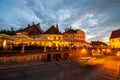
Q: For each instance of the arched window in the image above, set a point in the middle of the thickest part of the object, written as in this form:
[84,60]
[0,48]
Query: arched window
[59,37]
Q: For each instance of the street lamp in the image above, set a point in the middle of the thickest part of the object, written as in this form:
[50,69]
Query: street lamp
[4,43]
[118,54]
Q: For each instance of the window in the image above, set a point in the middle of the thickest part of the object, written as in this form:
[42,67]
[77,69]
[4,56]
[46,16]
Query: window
[59,37]
[113,41]
[66,36]
[54,37]
[48,37]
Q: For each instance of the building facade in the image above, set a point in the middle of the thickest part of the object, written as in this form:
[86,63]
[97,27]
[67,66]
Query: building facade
[114,39]
[55,37]
[33,35]
[98,44]
[32,31]
[51,37]
[76,37]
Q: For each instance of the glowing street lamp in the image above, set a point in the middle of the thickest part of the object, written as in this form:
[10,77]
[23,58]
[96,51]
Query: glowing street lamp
[83,52]
[4,43]
[118,54]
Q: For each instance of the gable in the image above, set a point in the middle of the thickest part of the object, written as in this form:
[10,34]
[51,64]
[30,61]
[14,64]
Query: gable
[32,30]
[52,30]
[115,34]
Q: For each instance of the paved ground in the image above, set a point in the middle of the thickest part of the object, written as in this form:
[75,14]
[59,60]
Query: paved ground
[108,69]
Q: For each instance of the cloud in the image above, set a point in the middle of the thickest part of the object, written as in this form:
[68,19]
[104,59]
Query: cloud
[97,18]
[63,14]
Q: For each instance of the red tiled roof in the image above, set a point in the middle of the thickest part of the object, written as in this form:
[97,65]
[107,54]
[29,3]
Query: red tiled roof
[32,30]
[115,34]
[69,30]
[52,30]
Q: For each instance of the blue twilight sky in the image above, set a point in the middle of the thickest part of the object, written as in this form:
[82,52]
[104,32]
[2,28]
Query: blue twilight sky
[96,17]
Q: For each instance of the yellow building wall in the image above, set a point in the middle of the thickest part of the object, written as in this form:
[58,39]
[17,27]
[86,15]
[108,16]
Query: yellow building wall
[52,36]
[55,39]
[114,43]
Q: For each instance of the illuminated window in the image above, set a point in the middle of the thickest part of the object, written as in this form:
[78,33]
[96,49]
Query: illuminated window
[48,37]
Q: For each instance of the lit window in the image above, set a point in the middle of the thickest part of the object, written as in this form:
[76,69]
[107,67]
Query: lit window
[48,37]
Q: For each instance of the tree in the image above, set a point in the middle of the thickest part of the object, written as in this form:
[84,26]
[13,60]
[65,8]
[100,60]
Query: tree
[8,32]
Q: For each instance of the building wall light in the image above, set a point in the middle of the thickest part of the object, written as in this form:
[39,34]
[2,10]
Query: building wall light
[4,43]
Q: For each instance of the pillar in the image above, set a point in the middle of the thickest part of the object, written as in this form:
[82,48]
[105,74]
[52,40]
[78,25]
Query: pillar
[45,48]
[23,48]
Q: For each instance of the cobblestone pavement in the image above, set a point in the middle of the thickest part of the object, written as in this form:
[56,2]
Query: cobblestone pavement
[63,70]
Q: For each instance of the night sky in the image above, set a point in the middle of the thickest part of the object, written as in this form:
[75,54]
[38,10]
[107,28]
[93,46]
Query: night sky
[98,18]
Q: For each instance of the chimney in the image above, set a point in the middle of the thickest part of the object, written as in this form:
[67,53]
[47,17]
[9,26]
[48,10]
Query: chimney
[57,27]
[33,23]
[12,30]
[39,24]
[28,25]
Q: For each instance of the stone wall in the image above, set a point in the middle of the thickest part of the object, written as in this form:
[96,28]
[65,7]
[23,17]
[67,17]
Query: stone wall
[23,58]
